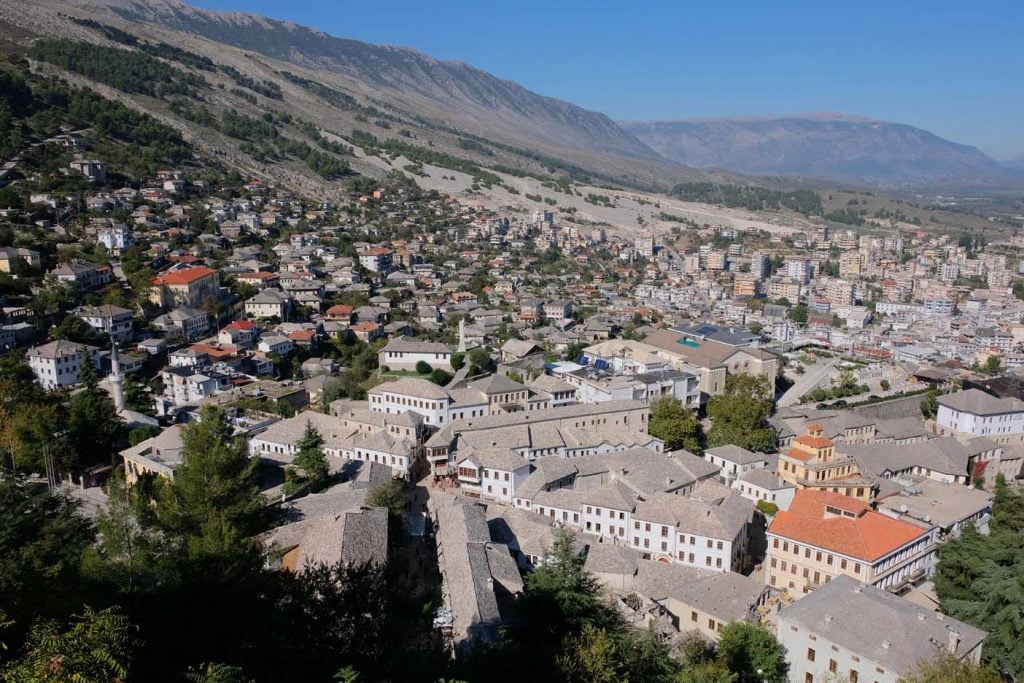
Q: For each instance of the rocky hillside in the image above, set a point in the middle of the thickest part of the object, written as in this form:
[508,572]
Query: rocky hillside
[832,147]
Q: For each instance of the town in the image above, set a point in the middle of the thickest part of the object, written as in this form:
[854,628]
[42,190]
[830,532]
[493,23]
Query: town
[731,426]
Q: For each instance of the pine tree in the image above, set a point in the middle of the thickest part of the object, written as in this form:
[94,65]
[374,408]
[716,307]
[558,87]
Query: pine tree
[214,494]
[311,459]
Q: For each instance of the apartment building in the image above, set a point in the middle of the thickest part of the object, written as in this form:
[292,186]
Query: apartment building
[974,412]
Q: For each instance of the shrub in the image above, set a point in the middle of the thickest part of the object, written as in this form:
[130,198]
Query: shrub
[423,367]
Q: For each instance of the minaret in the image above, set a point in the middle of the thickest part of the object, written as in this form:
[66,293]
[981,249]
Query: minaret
[462,335]
[116,380]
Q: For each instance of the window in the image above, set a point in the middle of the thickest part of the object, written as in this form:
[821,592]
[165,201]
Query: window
[810,655]
[808,677]
[833,665]
[693,617]
[853,676]
[711,624]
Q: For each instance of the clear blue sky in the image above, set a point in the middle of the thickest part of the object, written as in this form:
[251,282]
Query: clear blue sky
[955,67]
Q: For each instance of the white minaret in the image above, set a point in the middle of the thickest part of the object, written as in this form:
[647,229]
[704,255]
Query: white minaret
[462,335]
[116,380]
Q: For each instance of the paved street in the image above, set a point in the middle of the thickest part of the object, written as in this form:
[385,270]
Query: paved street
[813,377]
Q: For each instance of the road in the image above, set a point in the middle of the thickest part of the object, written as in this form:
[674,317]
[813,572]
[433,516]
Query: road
[808,381]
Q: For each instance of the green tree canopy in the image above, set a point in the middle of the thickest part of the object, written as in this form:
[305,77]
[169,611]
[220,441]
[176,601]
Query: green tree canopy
[676,425]
[310,458]
[740,414]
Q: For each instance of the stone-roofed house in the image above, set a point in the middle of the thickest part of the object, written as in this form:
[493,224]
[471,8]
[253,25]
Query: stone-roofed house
[715,600]
[479,578]
[733,461]
[492,473]
[59,363]
[404,353]
[160,455]
[974,412]
[351,537]
[859,632]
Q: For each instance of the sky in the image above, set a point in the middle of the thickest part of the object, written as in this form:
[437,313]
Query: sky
[954,67]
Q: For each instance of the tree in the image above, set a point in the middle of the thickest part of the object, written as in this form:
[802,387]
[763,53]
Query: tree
[440,377]
[480,361]
[750,650]
[389,495]
[95,649]
[947,668]
[798,314]
[740,414]
[676,425]
[590,657]
[42,540]
[94,429]
[423,367]
[992,366]
[214,496]
[310,458]
[884,385]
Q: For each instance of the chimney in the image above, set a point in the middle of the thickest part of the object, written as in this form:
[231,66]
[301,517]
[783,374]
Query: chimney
[954,639]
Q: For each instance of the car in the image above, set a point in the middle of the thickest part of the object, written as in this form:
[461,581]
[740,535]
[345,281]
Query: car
[841,403]
[821,406]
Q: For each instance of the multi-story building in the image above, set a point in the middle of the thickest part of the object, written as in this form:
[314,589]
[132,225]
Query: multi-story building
[823,535]
[744,285]
[190,323]
[116,238]
[186,287]
[812,463]
[850,264]
[854,632]
[760,265]
[59,363]
[268,303]
[113,320]
[85,275]
[799,270]
[376,259]
[974,413]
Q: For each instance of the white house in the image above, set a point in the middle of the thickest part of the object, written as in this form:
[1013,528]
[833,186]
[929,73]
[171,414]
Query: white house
[845,630]
[975,413]
[734,461]
[274,343]
[268,303]
[492,474]
[59,363]
[113,320]
[404,353]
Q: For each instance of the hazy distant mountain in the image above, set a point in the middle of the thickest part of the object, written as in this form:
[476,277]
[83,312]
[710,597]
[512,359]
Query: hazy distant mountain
[1015,164]
[829,146]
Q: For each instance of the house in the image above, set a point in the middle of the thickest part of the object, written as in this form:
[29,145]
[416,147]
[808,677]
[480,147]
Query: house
[491,474]
[976,413]
[190,323]
[85,275]
[93,169]
[158,456]
[185,287]
[479,578]
[241,334]
[734,461]
[58,364]
[515,350]
[268,303]
[275,343]
[824,535]
[109,319]
[116,238]
[858,632]
[9,256]
[405,353]
[714,600]
[367,331]
[764,484]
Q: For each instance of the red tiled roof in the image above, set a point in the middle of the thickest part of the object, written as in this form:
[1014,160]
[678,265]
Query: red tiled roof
[184,277]
[241,325]
[302,334]
[868,537]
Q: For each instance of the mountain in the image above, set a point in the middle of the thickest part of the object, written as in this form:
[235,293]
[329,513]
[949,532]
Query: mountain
[474,93]
[1015,164]
[824,146]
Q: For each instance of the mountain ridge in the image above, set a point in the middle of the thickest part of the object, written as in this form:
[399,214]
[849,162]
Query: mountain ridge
[832,146]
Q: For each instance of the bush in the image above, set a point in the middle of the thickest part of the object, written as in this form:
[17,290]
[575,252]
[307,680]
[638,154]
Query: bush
[767,509]
[884,384]
[440,377]
[423,367]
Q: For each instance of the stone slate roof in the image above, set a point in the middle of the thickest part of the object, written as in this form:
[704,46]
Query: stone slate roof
[876,625]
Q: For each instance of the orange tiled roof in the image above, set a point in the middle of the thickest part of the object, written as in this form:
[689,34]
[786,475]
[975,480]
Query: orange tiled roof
[184,277]
[814,441]
[868,537]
